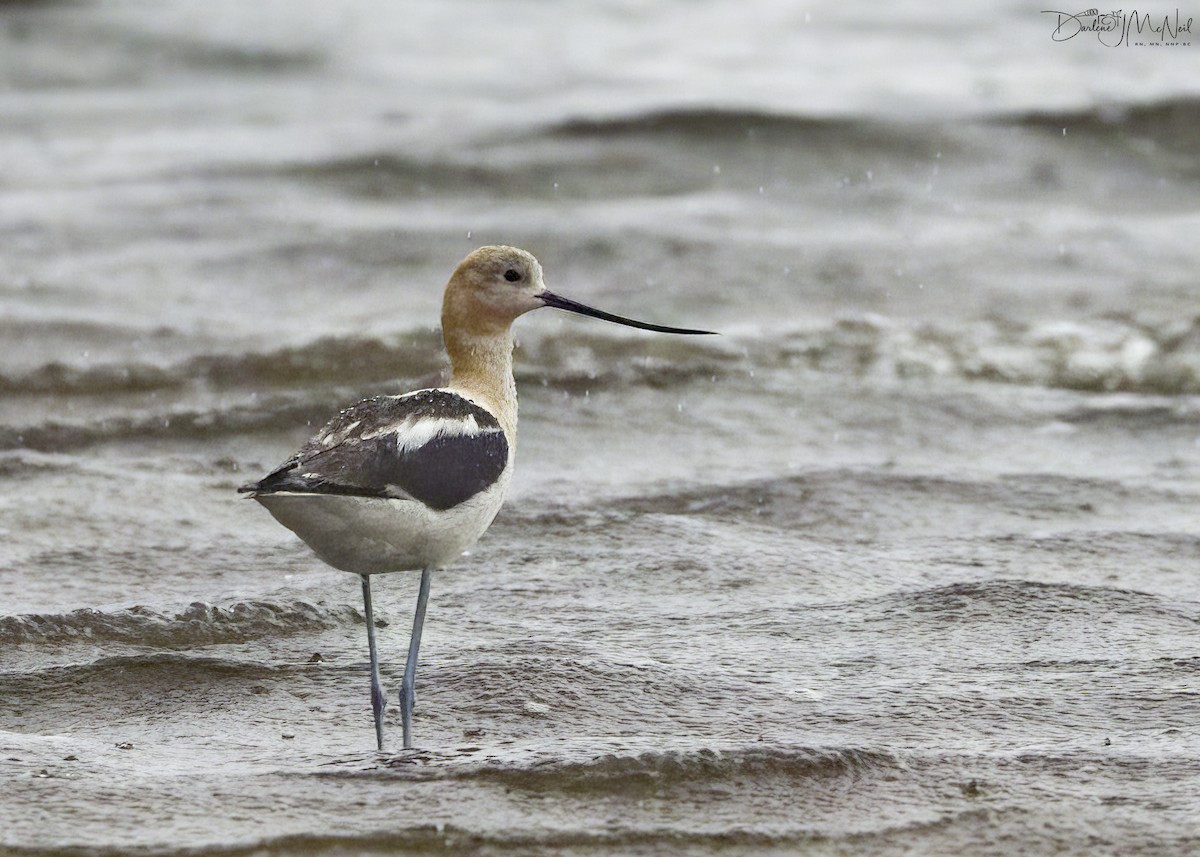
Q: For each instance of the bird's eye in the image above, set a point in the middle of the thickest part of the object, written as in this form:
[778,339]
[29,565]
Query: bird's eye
[512,275]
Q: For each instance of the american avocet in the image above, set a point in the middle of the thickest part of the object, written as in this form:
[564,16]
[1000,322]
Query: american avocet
[401,483]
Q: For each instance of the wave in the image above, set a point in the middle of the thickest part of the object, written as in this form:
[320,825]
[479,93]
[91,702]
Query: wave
[709,126]
[1173,123]
[829,501]
[59,436]
[622,772]
[1103,354]
[672,150]
[431,838]
[324,360]
[1022,601]
[304,384]
[705,123]
[619,764]
[655,153]
[1114,354]
[199,623]
[1174,120]
[417,357]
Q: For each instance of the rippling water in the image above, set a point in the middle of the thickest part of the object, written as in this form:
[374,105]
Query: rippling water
[904,562]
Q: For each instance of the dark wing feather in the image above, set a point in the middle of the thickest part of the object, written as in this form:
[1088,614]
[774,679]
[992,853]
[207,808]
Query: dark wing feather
[433,446]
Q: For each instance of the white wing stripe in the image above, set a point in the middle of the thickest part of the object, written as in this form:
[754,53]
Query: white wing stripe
[412,434]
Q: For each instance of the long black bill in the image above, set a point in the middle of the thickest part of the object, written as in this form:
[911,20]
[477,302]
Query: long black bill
[551,299]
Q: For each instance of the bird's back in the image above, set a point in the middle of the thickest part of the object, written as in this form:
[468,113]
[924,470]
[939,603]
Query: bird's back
[394,482]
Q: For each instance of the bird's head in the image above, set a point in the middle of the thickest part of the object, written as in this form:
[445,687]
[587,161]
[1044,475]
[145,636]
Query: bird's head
[495,285]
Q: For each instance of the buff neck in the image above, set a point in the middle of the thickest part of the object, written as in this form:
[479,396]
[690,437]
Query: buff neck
[481,368]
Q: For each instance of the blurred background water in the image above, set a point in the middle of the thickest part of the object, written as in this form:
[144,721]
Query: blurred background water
[904,562]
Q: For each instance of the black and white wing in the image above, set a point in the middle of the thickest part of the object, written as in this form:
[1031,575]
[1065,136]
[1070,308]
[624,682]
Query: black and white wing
[433,446]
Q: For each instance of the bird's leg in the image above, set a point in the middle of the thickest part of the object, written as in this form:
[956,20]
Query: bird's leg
[378,701]
[408,688]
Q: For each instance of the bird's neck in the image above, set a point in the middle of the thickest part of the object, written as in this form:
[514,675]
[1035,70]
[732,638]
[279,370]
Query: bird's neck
[481,368]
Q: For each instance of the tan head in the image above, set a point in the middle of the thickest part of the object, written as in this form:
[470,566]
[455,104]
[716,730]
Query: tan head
[490,288]
[487,292]
[493,286]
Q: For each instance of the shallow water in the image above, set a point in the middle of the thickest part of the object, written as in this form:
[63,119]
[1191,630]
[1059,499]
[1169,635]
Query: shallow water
[903,562]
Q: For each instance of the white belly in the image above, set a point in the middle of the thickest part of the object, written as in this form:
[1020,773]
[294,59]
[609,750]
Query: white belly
[371,535]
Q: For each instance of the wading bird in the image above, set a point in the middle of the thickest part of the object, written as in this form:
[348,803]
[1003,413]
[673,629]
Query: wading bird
[405,483]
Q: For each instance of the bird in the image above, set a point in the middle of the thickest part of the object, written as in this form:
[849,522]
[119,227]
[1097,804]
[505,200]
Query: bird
[409,482]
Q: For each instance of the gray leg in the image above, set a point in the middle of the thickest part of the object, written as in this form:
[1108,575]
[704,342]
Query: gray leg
[377,699]
[408,689]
